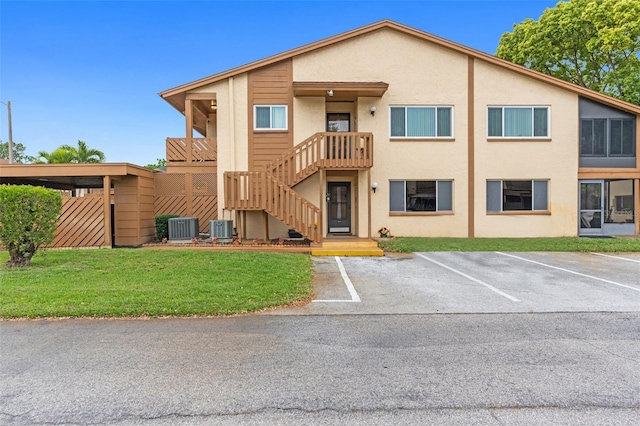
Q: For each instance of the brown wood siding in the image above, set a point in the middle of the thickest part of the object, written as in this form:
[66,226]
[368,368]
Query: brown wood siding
[81,223]
[146,197]
[187,195]
[270,85]
[127,226]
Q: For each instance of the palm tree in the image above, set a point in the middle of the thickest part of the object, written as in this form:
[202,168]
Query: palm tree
[83,154]
[59,156]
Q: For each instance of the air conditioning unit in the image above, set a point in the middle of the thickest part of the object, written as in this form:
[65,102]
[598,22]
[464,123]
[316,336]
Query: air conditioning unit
[221,229]
[183,228]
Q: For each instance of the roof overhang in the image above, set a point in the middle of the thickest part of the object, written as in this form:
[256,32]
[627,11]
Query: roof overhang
[68,176]
[340,90]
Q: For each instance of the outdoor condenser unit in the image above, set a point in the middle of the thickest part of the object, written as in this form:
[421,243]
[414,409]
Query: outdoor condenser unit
[183,228]
[221,229]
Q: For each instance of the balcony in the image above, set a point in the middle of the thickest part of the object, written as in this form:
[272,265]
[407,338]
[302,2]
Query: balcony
[190,150]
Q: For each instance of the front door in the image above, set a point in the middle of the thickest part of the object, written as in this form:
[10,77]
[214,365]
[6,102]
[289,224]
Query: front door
[591,207]
[339,204]
[338,122]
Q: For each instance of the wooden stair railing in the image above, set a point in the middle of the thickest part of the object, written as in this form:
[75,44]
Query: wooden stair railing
[271,191]
[348,150]
[262,191]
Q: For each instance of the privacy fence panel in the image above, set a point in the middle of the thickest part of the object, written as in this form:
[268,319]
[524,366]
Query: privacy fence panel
[187,195]
[81,223]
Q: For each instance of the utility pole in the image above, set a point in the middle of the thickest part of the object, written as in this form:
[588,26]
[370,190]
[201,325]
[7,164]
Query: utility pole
[8,104]
[10,133]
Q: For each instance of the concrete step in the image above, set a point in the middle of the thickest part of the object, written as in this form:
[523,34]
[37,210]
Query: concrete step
[349,244]
[347,251]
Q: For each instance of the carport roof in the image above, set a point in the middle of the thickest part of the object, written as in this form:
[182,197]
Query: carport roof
[68,176]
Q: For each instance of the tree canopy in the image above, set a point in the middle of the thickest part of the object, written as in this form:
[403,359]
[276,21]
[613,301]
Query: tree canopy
[70,154]
[18,152]
[160,162]
[592,43]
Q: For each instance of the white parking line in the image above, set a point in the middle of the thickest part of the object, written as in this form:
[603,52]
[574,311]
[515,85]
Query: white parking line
[352,291]
[469,277]
[570,271]
[616,257]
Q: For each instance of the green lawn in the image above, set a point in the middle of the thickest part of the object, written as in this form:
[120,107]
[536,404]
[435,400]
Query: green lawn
[137,282]
[411,244]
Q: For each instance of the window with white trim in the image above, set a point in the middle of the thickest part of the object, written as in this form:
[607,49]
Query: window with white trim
[270,117]
[518,122]
[517,195]
[421,121]
[420,195]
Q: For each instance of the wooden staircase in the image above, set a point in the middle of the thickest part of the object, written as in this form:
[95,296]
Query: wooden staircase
[271,190]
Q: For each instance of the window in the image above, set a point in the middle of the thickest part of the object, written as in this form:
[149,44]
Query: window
[270,117]
[517,195]
[420,195]
[421,122]
[518,122]
[601,137]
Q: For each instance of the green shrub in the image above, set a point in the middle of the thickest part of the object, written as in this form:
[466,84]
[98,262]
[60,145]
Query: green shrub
[28,219]
[162,225]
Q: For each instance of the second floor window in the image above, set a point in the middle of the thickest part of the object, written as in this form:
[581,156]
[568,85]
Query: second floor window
[421,122]
[270,117]
[518,122]
[601,137]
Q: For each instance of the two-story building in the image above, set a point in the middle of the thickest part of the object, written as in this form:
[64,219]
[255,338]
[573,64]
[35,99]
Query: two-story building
[388,126]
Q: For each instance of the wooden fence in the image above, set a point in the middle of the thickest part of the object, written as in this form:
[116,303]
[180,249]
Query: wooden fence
[187,195]
[81,223]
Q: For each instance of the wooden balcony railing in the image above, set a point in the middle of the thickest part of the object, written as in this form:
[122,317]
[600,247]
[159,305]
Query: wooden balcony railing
[323,150]
[262,191]
[191,149]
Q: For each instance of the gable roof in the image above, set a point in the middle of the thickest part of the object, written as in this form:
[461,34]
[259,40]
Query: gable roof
[176,95]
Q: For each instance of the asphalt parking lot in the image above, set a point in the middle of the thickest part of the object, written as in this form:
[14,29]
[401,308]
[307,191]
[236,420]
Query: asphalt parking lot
[475,282]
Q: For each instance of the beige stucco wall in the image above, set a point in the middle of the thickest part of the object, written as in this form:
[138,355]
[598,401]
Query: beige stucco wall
[308,116]
[418,74]
[556,160]
[231,128]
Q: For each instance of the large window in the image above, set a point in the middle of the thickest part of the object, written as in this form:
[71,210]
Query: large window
[601,137]
[420,195]
[421,122]
[270,117]
[517,195]
[518,122]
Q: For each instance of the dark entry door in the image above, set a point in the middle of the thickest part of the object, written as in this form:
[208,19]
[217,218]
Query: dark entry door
[338,122]
[339,207]
[337,145]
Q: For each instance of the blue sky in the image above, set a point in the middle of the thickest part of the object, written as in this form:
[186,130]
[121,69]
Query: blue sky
[92,70]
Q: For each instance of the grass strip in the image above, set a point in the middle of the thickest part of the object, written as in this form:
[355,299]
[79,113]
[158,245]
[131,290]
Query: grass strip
[131,282]
[565,244]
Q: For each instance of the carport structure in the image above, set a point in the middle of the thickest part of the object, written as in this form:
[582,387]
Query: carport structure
[121,213]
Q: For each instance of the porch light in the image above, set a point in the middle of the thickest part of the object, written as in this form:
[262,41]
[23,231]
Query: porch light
[213,105]
[373,112]
[374,185]
[330,92]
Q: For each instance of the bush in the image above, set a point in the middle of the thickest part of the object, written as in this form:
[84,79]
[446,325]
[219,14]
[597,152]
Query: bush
[162,225]
[28,219]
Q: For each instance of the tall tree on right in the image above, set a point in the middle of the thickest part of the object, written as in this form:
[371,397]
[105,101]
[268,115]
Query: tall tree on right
[592,43]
